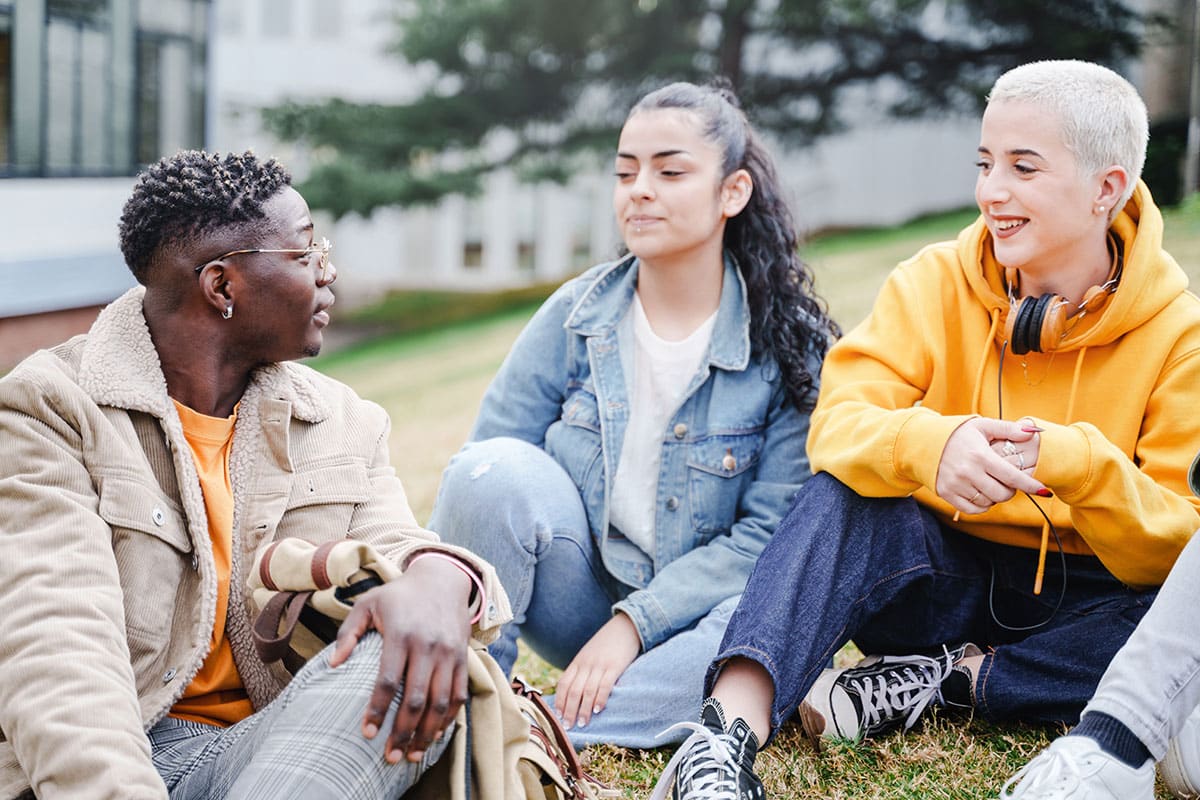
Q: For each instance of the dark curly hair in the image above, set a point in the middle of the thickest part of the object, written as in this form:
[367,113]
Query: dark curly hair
[789,322]
[191,193]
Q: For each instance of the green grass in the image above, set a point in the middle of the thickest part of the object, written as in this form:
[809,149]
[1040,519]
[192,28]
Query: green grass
[431,382]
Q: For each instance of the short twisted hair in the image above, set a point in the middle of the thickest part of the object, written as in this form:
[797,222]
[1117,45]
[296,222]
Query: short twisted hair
[189,194]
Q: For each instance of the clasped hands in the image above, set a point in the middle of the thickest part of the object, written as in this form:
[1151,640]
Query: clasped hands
[986,461]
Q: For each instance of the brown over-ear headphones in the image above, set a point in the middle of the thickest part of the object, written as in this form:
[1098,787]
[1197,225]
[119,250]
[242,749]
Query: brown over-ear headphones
[1040,323]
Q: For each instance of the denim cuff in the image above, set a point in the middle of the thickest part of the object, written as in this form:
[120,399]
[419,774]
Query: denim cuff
[651,622]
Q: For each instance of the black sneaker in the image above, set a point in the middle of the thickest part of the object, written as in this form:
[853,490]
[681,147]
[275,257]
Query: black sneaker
[715,763]
[877,695]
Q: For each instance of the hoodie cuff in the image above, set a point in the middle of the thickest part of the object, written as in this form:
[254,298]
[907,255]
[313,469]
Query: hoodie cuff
[919,445]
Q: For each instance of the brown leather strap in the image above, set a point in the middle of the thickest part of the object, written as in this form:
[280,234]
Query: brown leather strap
[264,567]
[269,641]
[320,564]
[563,751]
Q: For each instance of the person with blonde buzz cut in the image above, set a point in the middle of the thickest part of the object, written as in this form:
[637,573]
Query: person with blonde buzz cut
[999,453]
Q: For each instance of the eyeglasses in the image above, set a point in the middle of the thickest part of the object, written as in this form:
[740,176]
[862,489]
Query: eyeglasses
[321,248]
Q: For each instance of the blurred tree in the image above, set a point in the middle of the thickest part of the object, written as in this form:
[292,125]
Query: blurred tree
[538,85]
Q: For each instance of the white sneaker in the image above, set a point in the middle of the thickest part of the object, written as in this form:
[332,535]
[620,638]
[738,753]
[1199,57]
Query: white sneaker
[1075,768]
[1180,768]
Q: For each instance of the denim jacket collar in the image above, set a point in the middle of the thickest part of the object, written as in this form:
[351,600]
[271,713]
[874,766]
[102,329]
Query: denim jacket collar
[605,302]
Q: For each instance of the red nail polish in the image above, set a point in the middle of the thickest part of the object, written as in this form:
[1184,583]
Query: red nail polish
[1031,429]
[1044,492]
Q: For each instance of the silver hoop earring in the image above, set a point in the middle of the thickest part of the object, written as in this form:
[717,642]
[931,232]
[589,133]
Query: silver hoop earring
[228,312]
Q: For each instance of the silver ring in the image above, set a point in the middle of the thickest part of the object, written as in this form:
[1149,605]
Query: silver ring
[1021,459]
[975,496]
[1009,449]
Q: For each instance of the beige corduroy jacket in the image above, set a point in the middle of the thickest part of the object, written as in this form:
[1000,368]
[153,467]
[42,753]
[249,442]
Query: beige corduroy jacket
[107,584]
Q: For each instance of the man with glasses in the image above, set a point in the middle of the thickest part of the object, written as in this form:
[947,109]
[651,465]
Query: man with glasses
[144,466]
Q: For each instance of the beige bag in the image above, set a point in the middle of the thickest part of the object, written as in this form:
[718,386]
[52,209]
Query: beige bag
[518,750]
[549,766]
[303,592]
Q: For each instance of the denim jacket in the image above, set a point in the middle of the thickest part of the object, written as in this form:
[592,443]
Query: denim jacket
[733,453]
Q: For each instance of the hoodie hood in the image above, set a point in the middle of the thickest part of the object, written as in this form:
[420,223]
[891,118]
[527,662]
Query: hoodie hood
[1150,280]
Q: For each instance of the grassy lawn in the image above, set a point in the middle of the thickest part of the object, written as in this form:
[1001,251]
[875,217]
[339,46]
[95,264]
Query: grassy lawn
[431,385]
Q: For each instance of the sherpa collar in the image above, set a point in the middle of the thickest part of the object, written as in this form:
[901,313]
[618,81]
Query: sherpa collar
[119,367]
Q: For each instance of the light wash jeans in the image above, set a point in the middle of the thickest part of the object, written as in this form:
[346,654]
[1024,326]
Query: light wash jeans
[511,503]
[306,745]
[1153,682]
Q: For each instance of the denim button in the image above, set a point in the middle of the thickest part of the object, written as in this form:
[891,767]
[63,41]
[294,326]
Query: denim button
[158,516]
[169,675]
[680,430]
[729,462]
[672,503]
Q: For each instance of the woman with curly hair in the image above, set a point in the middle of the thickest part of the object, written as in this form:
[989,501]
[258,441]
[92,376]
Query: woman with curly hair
[646,433]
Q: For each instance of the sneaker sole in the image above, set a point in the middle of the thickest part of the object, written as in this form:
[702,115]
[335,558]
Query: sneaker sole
[813,723]
[1174,776]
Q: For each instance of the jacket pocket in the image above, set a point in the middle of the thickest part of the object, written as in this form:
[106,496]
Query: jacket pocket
[153,552]
[574,441]
[322,501]
[720,468]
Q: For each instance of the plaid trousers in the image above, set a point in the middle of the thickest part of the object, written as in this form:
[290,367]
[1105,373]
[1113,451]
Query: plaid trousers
[307,744]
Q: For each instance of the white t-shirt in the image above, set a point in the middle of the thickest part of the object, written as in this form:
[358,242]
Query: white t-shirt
[662,371]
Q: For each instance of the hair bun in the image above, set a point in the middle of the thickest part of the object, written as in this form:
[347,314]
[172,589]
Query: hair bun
[723,87]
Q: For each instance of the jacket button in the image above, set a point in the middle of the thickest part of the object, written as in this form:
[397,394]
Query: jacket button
[672,503]
[169,675]
[729,462]
[195,562]
[158,516]
[680,430]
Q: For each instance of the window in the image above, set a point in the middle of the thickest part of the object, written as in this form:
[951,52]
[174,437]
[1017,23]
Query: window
[277,19]
[326,18]
[77,136]
[97,87]
[5,84]
[170,77]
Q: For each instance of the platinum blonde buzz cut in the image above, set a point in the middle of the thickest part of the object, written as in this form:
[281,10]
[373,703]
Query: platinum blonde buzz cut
[1104,119]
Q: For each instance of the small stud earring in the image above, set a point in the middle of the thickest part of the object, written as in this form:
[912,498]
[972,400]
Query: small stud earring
[228,312]
[1100,209]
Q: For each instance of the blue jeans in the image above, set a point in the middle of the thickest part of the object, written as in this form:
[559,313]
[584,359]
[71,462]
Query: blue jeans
[511,503]
[886,574]
[307,743]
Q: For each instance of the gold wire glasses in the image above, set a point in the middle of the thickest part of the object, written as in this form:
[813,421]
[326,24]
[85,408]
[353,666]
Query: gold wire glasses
[320,248]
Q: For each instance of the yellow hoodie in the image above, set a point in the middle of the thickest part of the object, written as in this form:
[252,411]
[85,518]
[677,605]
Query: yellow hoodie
[1118,399]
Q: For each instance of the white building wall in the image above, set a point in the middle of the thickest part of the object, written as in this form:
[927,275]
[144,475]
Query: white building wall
[882,174]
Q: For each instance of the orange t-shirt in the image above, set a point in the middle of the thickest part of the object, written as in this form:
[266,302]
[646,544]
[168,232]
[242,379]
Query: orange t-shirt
[216,694]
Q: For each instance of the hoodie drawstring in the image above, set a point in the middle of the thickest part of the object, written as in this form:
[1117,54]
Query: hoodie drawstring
[1045,546]
[977,392]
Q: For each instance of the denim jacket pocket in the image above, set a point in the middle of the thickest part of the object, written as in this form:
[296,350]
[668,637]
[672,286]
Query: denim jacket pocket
[574,442]
[719,469]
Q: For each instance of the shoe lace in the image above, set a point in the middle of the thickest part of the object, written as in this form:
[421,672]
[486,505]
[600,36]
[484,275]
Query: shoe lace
[710,770]
[905,690]
[1050,774]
